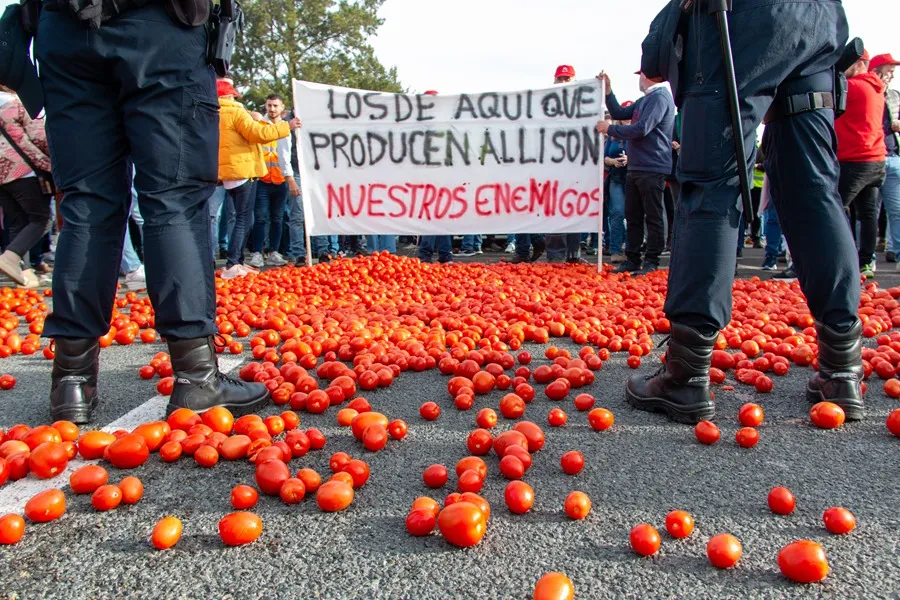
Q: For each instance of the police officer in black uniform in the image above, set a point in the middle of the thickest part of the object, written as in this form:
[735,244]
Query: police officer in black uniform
[784,61]
[123,81]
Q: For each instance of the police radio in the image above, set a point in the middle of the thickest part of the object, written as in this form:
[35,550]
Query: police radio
[852,53]
[225,22]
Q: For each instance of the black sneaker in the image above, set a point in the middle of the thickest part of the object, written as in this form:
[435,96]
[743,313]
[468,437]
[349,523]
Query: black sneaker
[649,268]
[890,257]
[769,264]
[628,267]
[788,273]
[324,258]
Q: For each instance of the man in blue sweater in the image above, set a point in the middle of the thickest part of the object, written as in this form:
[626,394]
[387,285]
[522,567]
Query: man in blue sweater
[649,140]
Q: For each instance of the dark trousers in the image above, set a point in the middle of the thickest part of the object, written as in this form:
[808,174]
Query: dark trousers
[243,198]
[859,184]
[26,210]
[806,39]
[268,215]
[138,89]
[443,243]
[523,243]
[644,206]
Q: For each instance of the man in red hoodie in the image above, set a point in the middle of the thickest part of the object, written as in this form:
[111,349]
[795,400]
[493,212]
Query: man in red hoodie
[861,153]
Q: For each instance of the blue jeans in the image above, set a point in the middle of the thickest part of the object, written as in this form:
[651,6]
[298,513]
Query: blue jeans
[378,243]
[523,243]
[297,228]
[471,243]
[130,259]
[890,198]
[268,215]
[616,216]
[243,197]
[427,244]
[772,231]
[216,204]
[324,244]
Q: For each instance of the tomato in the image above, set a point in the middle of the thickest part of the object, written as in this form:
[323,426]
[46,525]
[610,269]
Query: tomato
[218,418]
[166,533]
[363,420]
[106,497]
[183,419]
[128,452]
[375,437]
[893,422]
[600,419]
[803,561]
[206,456]
[132,490]
[750,415]
[153,433]
[12,528]
[584,402]
[679,524]
[48,460]
[554,586]
[292,491]
[244,497]
[235,447]
[572,462]
[358,471]
[274,424]
[462,524]
[512,467]
[345,416]
[644,539]
[509,438]
[480,442]
[519,497]
[338,461]
[88,478]
[724,550]
[40,435]
[430,411]
[165,386]
[839,520]
[577,505]
[533,434]
[706,432]
[421,521]
[270,475]
[558,389]
[239,528]
[747,437]
[781,501]
[892,388]
[827,415]
[470,480]
[7,382]
[170,451]
[311,480]
[397,429]
[633,362]
[333,496]
[557,417]
[68,431]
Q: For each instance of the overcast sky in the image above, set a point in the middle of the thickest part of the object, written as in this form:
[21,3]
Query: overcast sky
[478,45]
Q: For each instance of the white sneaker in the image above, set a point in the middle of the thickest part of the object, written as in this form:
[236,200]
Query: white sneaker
[10,265]
[31,279]
[511,248]
[136,280]
[233,272]
[256,260]
[245,270]
[275,259]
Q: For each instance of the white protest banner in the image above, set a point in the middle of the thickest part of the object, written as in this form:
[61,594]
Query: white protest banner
[494,162]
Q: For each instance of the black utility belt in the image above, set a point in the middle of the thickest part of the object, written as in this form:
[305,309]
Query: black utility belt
[93,13]
[789,106]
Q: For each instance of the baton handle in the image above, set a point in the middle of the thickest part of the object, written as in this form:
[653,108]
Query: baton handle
[736,125]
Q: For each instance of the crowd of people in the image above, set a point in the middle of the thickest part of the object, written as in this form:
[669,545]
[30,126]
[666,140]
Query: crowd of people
[256,209]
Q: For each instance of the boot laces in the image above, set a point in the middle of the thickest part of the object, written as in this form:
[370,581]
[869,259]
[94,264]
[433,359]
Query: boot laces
[219,343]
[662,365]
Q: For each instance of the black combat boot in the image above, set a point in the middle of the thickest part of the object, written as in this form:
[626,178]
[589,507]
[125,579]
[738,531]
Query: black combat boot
[840,370]
[681,386]
[199,385]
[537,248]
[73,381]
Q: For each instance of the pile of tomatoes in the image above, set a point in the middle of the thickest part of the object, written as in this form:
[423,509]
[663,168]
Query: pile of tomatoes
[318,337]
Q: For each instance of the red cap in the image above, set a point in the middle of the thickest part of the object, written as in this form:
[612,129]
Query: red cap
[225,87]
[431,93]
[627,103]
[564,71]
[879,60]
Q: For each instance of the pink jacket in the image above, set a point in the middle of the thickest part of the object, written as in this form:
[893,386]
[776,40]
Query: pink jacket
[28,134]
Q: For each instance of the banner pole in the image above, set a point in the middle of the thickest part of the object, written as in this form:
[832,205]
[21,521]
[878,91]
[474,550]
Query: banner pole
[602,181]
[303,185]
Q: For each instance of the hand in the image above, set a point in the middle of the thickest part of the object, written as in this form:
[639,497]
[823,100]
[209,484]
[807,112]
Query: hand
[293,188]
[622,161]
[895,126]
[607,85]
[603,127]
[295,123]
[256,116]
[676,146]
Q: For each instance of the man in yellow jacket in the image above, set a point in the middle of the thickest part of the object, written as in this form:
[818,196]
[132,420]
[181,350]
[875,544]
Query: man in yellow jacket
[241,163]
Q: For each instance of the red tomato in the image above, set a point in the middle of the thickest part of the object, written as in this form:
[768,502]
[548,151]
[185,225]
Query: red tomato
[333,496]
[533,434]
[512,467]
[239,528]
[358,471]
[803,561]
[397,429]
[311,480]
[480,442]
[750,415]
[206,456]
[679,524]
[781,501]
[470,481]
[270,475]
[827,415]
[893,422]
[600,419]
[12,528]
[48,460]
[338,461]
[132,490]
[375,437]
[724,550]
[644,539]
[747,437]
[435,476]
[244,497]
[292,491]
[128,452]
[316,439]
[572,462]
[706,432]
[839,520]
[577,505]
[557,417]
[166,533]
[519,497]
[106,497]
[88,478]
[430,411]
[584,402]
[421,521]
[554,586]
[462,524]
[633,362]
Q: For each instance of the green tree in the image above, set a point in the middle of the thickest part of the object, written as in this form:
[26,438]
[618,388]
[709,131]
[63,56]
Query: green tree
[325,41]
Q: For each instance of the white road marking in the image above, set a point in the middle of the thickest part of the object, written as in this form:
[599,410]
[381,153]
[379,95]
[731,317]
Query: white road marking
[14,494]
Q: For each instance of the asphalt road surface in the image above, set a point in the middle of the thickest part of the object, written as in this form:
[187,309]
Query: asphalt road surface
[636,472]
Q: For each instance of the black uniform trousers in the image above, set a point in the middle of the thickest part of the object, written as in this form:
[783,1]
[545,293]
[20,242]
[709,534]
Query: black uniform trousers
[789,45]
[138,89]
